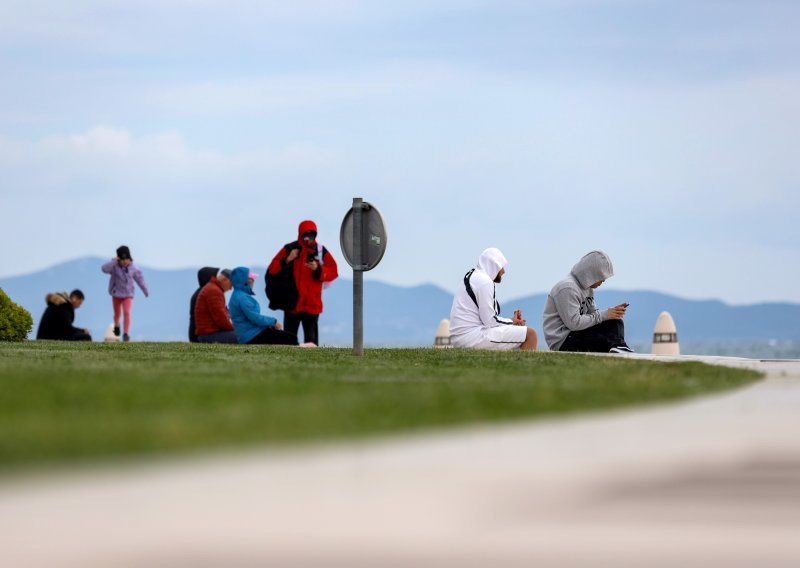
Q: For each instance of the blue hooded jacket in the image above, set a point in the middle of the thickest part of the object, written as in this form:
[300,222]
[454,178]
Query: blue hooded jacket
[244,308]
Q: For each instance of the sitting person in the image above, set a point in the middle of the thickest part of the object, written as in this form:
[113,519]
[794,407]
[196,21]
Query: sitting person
[572,322]
[204,275]
[475,320]
[212,324]
[56,322]
[251,326]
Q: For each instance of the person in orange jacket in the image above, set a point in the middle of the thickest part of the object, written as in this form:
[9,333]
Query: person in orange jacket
[312,265]
[212,321]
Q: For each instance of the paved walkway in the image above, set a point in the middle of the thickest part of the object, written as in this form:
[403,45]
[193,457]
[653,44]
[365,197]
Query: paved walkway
[710,482]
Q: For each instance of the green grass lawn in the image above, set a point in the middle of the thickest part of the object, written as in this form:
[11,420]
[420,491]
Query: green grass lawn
[62,402]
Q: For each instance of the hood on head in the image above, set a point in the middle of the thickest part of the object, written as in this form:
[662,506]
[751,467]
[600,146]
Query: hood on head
[239,279]
[205,274]
[593,267]
[492,261]
[306,226]
[57,298]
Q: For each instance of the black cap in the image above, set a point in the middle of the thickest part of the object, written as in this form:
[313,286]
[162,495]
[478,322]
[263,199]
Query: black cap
[124,253]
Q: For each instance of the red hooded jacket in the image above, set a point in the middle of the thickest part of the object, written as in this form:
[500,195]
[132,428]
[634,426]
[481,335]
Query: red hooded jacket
[309,282]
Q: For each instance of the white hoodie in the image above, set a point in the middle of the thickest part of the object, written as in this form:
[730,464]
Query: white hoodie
[467,317]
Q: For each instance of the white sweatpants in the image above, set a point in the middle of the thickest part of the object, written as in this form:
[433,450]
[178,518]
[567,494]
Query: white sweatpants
[499,338]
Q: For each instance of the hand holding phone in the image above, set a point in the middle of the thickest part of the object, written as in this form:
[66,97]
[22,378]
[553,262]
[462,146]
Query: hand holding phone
[617,312]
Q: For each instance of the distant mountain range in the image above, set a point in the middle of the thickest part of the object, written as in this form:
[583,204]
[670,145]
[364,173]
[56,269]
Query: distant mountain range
[393,315]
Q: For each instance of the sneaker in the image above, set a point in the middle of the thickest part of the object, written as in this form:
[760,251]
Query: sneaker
[621,349]
[126,337]
[116,330]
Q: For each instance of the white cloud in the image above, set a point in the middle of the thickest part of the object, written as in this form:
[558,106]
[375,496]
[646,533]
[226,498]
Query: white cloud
[113,158]
[100,140]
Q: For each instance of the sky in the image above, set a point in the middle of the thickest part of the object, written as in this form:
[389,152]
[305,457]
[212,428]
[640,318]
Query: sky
[201,132]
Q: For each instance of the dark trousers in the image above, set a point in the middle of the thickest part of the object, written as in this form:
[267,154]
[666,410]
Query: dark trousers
[272,336]
[291,323]
[79,336]
[597,339]
[218,337]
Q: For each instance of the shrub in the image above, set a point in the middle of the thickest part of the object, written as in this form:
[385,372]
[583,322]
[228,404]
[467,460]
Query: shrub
[15,321]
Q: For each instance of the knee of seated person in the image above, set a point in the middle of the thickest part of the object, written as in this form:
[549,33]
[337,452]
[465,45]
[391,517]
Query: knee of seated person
[531,337]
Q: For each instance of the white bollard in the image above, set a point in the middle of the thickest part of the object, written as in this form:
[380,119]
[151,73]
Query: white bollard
[665,336]
[109,336]
[442,340]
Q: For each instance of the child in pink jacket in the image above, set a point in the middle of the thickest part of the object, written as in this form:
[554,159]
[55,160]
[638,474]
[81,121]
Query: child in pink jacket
[123,274]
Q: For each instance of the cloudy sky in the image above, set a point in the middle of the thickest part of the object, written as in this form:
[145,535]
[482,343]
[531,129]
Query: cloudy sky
[202,131]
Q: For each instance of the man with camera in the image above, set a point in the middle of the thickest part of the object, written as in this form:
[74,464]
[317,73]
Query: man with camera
[307,265]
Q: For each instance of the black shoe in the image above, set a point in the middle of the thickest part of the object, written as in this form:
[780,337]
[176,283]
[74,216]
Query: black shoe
[621,349]
[126,337]
[116,330]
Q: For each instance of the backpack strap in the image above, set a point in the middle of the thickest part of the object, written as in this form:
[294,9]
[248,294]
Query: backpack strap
[469,288]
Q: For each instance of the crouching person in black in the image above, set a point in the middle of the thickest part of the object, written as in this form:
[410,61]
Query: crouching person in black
[56,322]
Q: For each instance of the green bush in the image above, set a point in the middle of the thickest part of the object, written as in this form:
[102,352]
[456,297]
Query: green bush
[15,321]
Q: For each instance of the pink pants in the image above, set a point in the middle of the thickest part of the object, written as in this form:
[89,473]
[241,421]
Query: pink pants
[124,305]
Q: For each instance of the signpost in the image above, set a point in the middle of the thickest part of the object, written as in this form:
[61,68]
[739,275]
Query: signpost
[363,241]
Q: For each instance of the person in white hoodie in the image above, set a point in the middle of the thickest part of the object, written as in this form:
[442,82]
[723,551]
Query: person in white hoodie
[475,320]
[572,322]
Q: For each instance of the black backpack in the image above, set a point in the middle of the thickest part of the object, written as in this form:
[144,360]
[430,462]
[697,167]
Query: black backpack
[281,288]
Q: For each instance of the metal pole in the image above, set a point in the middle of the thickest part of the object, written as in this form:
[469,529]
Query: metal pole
[358,279]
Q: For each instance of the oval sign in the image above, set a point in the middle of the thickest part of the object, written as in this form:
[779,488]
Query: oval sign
[373,237]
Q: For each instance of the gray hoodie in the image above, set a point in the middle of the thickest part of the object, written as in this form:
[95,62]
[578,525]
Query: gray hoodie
[570,304]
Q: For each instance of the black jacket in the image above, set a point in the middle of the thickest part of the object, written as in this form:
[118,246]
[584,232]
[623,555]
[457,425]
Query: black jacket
[56,322]
[203,276]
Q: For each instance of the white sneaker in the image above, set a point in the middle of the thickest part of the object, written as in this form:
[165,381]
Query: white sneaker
[621,349]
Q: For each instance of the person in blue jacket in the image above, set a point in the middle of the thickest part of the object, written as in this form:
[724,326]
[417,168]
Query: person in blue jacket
[250,325]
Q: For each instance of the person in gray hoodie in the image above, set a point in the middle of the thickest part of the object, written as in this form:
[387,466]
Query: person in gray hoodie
[572,322]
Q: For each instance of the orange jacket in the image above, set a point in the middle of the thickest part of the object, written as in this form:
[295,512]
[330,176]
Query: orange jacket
[210,313]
